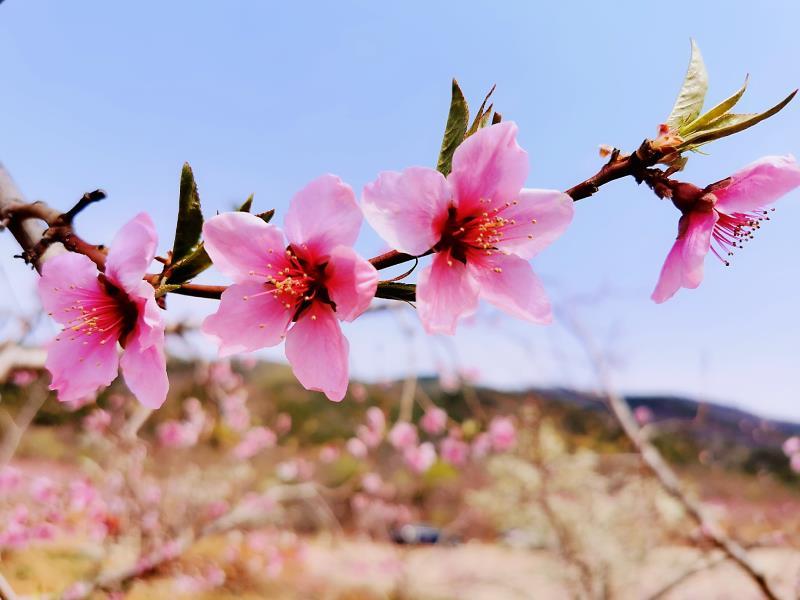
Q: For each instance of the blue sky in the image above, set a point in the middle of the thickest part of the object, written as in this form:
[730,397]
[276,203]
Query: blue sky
[262,97]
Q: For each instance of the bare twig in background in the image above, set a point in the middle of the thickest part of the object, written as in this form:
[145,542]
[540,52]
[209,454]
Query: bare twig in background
[240,516]
[708,563]
[18,426]
[6,592]
[656,463]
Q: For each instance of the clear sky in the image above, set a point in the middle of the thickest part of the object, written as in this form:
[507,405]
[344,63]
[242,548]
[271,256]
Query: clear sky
[262,97]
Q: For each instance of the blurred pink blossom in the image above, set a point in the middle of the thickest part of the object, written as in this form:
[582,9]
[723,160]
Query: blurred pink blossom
[434,421]
[254,441]
[97,421]
[283,423]
[791,446]
[643,415]
[420,458]
[502,434]
[454,451]
[403,435]
[329,453]
[356,447]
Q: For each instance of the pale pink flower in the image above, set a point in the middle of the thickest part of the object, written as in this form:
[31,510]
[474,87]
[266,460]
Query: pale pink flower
[372,483]
[368,436]
[403,435]
[480,221]
[723,219]
[23,377]
[235,413]
[43,489]
[434,421]
[177,434]
[643,415]
[328,454]
[97,421]
[420,458]
[481,445]
[314,281]
[376,420]
[794,463]
[100,311]
[454,451]
[790,447]
[283,423]
[356,447]
[254,441]
[502,434]
[359,392]
[10,479]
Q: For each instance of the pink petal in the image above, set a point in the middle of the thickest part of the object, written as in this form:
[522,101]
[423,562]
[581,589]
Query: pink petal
[241,245]
[445,293]
[318,352]
[150,322]
[684,264]
[145,371]
[408,209]
[80,365]
[488,165]
[351,282]
[248,318]
[131,252]
[537,219]
[66,280]
[759,184]
[323,215]
[510,284]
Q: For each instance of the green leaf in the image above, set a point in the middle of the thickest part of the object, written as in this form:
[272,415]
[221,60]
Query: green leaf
[393,290]
[189,266]
[693,92]
[190,218]
[455,130]
[715,113]
[731,123]
[482,116]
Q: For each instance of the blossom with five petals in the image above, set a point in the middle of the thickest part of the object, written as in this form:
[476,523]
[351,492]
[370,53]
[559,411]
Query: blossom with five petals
[301,287]
[483,225]
[100,310]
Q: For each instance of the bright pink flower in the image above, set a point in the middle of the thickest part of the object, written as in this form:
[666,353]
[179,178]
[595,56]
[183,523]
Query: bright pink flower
[420,458]
[454,451]
[502,433]
[434,421]
[723,219]
[254,441]
[403,435]
[313,281]
[482,224]
[100,310]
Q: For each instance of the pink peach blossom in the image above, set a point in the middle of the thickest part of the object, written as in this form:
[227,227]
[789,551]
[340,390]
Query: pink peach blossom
[314,281]
[356,448]
[100,311]
[723,219]
[454,451]
[434,421]
[482,224]
[97,421]
[420,458]
[403,435]
[502,434]
[791,446]
[254,441]
[481,445]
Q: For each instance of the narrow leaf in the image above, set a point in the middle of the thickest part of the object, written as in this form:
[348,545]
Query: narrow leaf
[482,114]
[456,128]
[266,216]
[393,290]
[732,123]
[693,92]
[190,218]
[716,112]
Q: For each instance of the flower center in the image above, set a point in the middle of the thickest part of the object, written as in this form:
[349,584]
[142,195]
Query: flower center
[297,282]
[732,231]
[482,230]
[111,315]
